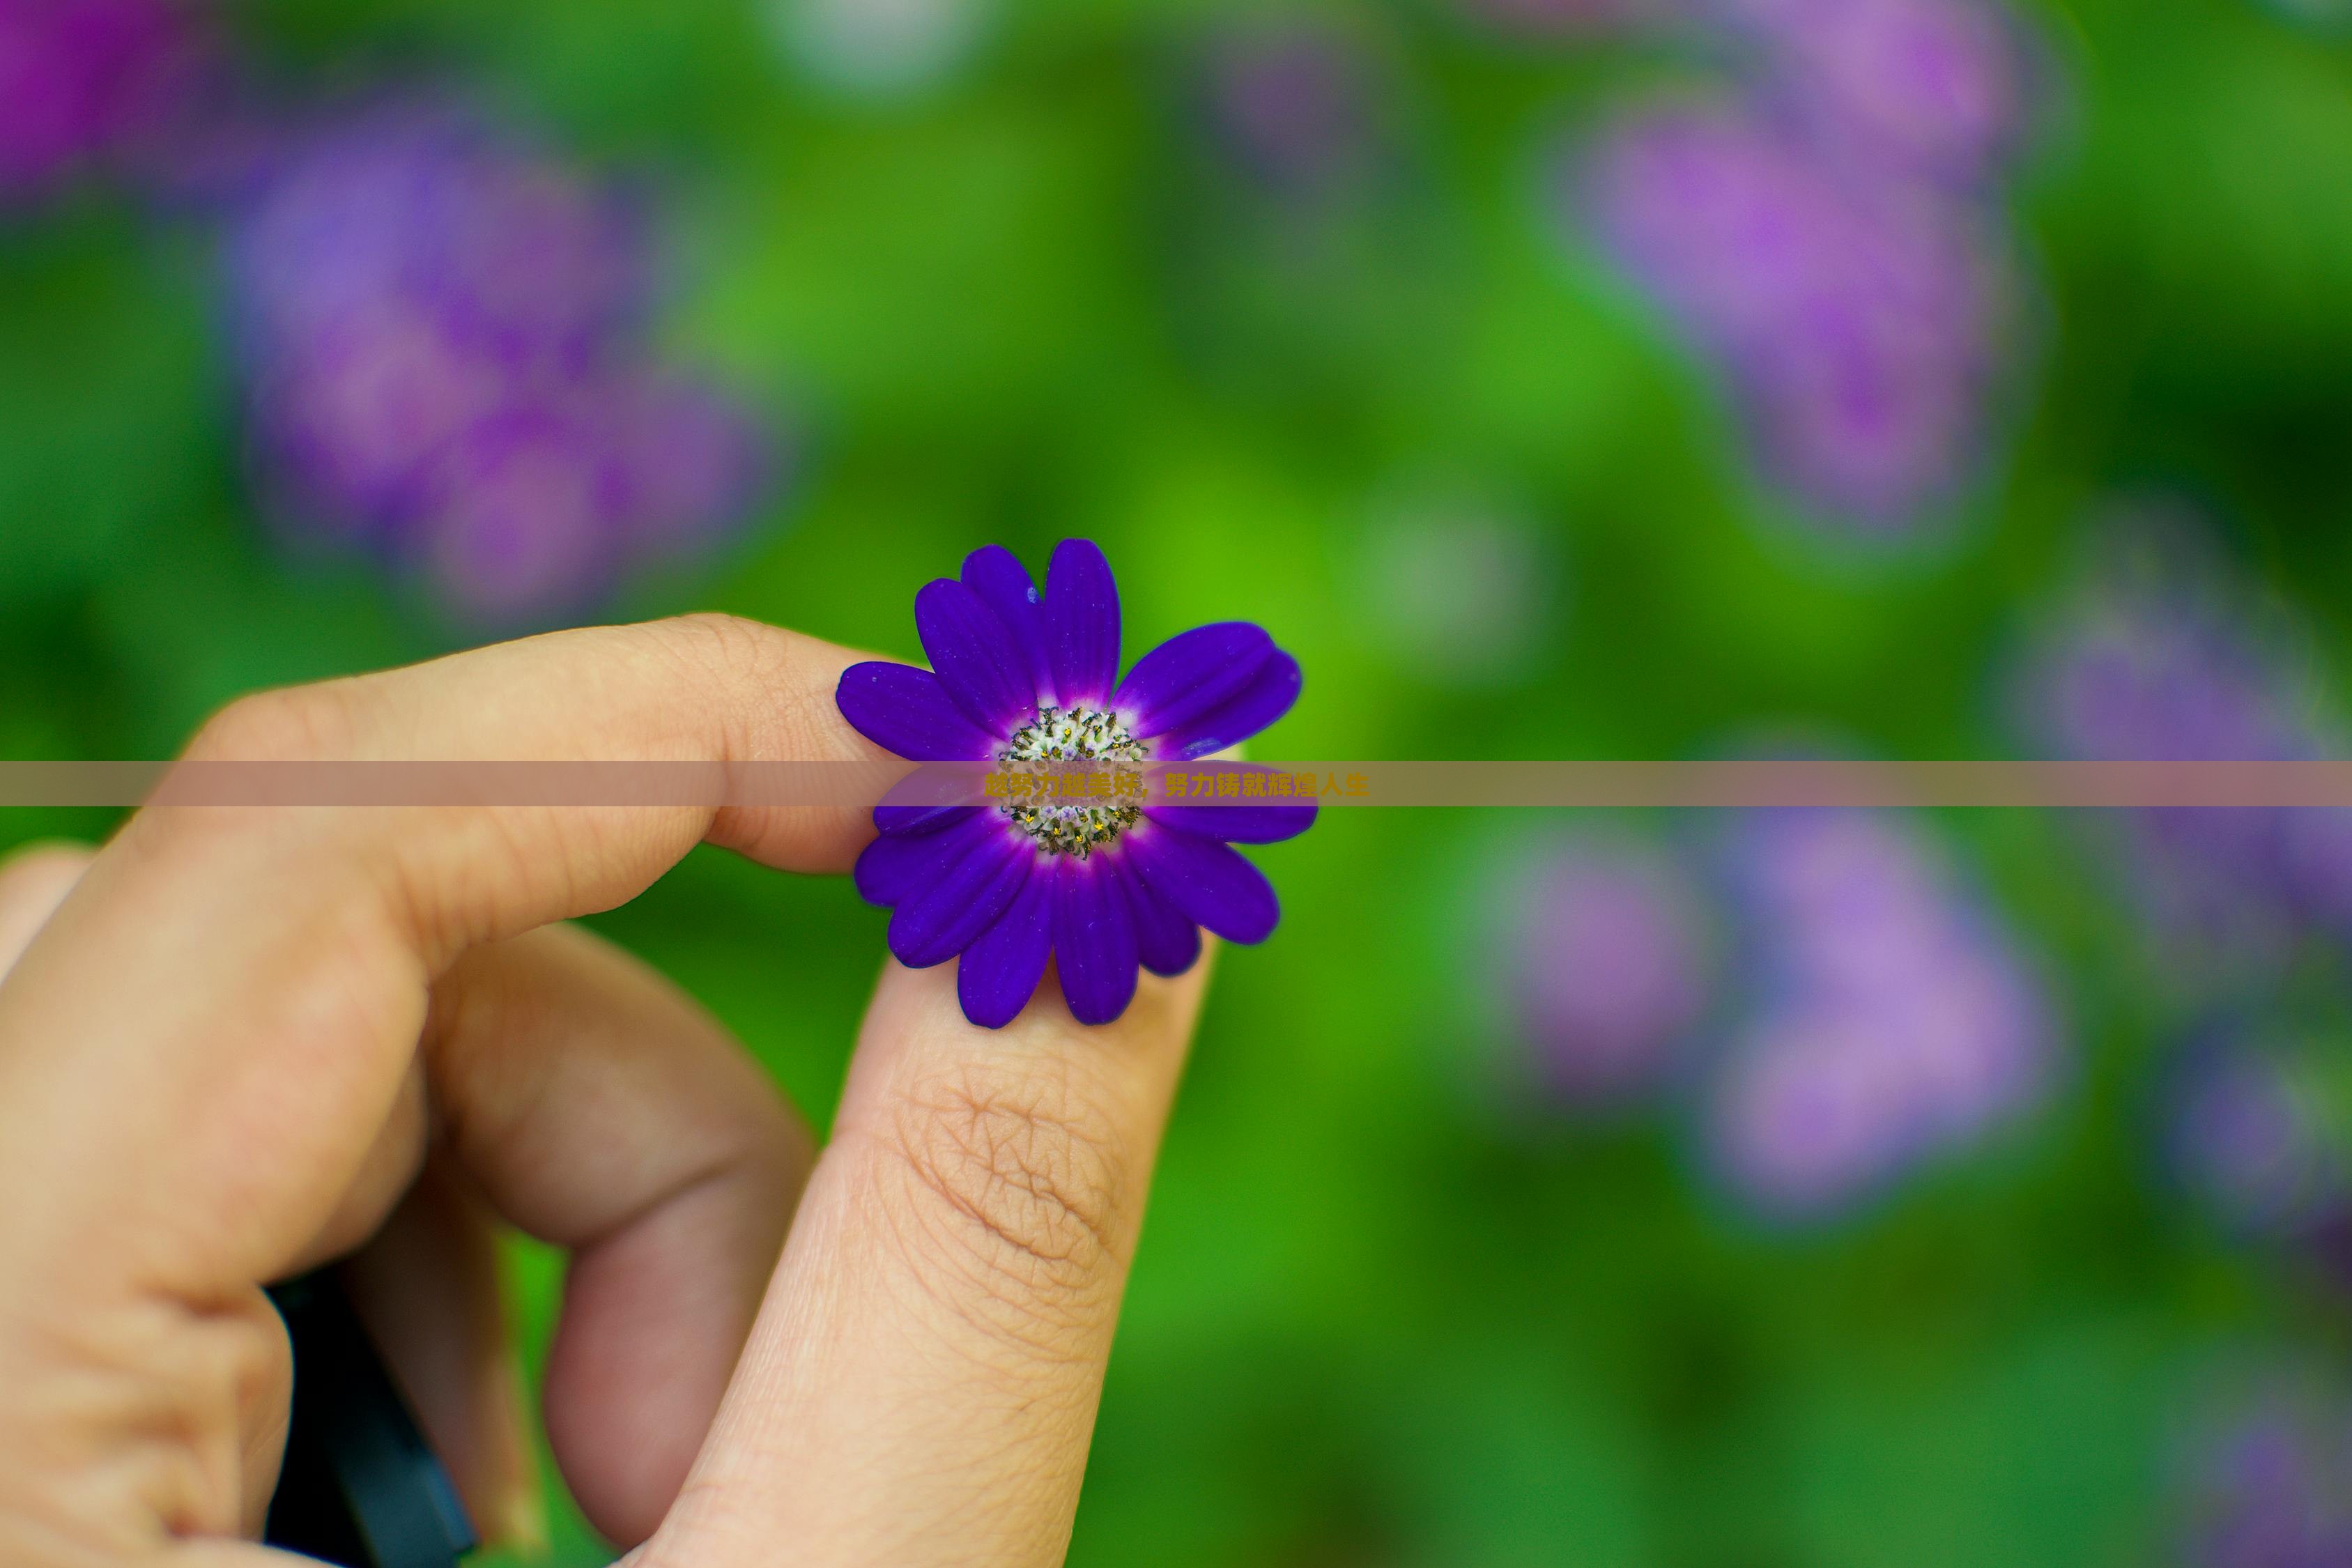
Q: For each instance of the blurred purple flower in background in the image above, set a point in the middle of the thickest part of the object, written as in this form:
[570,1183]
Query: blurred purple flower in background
[2271,1486]
[1931,88]
[81,81]
[2158,651]
[1609,965]
[1858,323]
[1893,1021]
[1293,104]
[1828,236]
[2248,1136]
[442,331]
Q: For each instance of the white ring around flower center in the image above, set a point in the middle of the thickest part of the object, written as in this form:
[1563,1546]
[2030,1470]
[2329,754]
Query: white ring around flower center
[1059,736]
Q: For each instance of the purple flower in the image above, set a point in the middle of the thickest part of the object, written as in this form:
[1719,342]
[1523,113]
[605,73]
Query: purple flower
[2158,652]
[2248,1138]
[80,80]
[1030,681]
[1608,966]
[1857,321]
[521,260]
[695,462]
[443,340]
[349,415]
[1935,88]
[1894,1023]
[1293,105]
[2269,1487]
[520,511]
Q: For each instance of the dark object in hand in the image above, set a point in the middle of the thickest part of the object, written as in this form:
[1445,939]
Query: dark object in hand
[359,1487]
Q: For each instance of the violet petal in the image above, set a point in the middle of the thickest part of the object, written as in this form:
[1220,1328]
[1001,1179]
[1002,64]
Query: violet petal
[1267,697]
[1165,942]
[1081,624]
[1094,939]
[896,867]
[1004,585]
[1269,824]
[999,972]
[906,710]
[1190,675]
[1209,883]
[973,655]
[937,921]
[920,821]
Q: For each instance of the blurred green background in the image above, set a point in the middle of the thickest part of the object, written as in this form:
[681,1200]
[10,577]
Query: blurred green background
[1376,1320]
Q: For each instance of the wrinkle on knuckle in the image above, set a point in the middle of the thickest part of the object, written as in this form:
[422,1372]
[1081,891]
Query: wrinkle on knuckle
[714,651]
[728,670]
[730,641]
[294,724]
[456,877]
[735,651]
[171,1394]
[425,907]
[1019,1183]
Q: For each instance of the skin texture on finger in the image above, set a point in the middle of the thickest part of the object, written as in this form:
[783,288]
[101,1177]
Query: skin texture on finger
[921,1386]
[201,1049]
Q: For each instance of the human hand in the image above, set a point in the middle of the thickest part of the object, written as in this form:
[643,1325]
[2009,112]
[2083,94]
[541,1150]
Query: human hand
[240,1041]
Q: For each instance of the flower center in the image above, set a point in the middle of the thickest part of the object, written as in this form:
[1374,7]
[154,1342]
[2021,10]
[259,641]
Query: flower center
[1071,808]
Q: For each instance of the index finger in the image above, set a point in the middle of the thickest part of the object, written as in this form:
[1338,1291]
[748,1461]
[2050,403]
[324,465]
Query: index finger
[921,1384]
[242,989]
